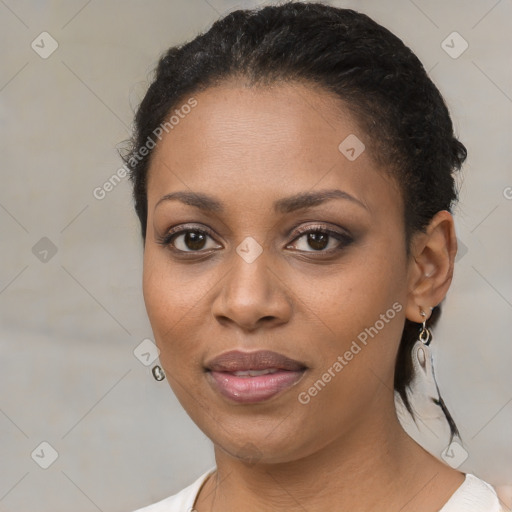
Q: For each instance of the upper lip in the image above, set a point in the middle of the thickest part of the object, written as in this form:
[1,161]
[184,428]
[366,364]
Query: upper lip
[236,360]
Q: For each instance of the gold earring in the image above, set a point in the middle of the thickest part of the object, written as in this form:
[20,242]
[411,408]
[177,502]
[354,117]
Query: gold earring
[425,336]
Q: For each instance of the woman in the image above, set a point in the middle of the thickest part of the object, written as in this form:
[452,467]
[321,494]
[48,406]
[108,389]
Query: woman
[293,175]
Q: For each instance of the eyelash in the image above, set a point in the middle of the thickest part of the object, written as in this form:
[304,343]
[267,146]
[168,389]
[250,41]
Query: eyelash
[343,238]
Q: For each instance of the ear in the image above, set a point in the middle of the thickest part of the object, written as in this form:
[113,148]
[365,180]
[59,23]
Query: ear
[431,265]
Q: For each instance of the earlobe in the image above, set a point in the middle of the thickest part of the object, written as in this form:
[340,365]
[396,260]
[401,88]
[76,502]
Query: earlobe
[431,265]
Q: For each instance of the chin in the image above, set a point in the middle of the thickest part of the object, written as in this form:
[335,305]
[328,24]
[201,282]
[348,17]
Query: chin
[264,446]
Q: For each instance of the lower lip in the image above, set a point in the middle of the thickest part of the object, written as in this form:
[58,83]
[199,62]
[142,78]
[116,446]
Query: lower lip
[253,389]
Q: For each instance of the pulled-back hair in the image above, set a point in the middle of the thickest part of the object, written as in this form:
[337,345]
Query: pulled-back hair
[403,116]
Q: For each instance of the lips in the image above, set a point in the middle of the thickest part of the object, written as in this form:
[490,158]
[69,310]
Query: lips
[250,377]
[236,360]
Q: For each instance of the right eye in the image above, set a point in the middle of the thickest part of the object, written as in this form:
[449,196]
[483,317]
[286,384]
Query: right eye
[188,240]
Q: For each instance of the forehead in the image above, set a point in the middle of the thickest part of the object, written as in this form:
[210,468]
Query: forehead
[266,140]
[269,117]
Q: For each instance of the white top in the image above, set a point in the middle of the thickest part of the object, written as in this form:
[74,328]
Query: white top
[473,495]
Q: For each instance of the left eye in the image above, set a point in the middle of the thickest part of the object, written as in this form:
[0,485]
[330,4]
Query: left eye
[318,240]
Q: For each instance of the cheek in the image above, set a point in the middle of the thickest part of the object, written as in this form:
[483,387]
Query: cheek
[352,296]
[379,291]
[356,362]
[169,289]
[164,296]
[158,296]
[361,306]
[176,300]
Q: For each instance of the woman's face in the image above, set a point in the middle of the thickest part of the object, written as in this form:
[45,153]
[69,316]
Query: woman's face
[255,170]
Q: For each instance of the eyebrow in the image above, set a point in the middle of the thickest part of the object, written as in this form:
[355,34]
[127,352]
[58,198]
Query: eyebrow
[289,204]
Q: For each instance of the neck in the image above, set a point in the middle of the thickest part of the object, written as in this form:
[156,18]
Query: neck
[375,466]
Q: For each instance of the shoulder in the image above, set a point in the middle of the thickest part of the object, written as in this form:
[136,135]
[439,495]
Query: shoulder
[474,495]
[183,501]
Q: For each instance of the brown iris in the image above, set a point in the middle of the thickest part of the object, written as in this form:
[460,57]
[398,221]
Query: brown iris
[318,241]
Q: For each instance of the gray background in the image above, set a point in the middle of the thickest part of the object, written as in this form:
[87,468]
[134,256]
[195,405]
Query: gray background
[70,321]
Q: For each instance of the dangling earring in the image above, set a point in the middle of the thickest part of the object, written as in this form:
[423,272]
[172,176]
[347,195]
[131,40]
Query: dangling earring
[428,427]
[422,359]
[423,362]
[158,373]
[432,426]
[425,336]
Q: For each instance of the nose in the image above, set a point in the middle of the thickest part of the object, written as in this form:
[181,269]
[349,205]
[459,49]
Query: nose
[253,295]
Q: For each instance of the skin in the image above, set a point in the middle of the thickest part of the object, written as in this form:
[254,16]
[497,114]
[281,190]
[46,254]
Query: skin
[248,147]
